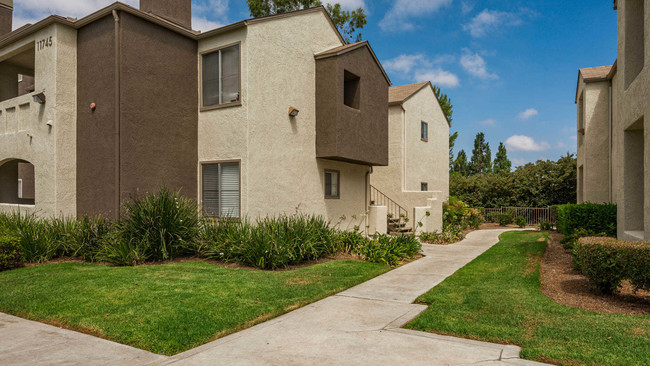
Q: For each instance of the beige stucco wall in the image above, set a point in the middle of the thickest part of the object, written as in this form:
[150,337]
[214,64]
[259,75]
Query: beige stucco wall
[630,107]
[24,133]
[279,169]
[413,161]
[594,145]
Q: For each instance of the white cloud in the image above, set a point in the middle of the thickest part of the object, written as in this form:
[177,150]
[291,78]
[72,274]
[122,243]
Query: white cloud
[466,7]
[438,76]
[474,64]
[562,145]
[525,143]
[528,114]
[489,21]
[397,17]
[421,68]
[208,14]
[518,161]
[489,122]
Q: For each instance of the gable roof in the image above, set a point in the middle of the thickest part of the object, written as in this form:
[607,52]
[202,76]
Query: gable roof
[594,75]
[398,95]
[118,6]
[337,51]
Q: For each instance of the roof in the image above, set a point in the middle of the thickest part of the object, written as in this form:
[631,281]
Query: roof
[594,75]
[398,95]
[118,6]
[337,51]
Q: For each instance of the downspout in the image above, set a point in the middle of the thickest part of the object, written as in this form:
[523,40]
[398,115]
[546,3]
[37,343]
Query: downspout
[117,114]
[611,128]
[367,196]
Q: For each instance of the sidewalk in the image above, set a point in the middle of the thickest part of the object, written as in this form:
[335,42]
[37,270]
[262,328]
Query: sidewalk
[359,326]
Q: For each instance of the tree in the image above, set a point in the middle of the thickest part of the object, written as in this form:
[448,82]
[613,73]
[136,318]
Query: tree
[452,142]
[502,164]
[460,165]
[347,22]
[481,162]
[445,103]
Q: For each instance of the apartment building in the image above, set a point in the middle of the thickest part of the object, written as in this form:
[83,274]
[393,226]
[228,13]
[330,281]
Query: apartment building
[261,117]
[613,150]
[416,180]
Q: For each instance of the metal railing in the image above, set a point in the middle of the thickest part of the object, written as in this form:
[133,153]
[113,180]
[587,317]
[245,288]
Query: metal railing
[533,215]
[395,211]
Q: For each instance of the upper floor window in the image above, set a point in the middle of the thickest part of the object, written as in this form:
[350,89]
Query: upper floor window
[220,77]
[424,131]
[352,90]
[424,187]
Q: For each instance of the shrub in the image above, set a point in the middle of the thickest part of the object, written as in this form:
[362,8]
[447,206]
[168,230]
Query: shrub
[450,234]
[545,225]
[458,213]
[592,217]
[10,253]
[492,217]
[569,241]
[163,225]
[37,240]
[505,218]
[520,221]
[122,252]
[390,249]
[607,262]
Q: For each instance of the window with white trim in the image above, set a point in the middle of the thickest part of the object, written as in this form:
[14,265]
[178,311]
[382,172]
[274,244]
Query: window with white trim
[220,190]
[332,184]
[220,77]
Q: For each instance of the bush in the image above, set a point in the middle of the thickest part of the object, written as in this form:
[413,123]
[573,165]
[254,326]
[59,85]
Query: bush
[520,221]
[458,213]
[545,225]
[162,226]
[390,249]
[592,217]
[607,262]
[505,218]
[10,253]
[450,234]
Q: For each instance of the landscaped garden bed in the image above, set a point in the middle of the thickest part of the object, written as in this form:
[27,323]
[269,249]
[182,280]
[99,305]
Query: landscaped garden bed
[498,298]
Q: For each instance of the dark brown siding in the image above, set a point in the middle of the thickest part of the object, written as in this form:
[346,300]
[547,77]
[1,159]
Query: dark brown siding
[5,20]
[158,113]
[344,133]
[96,130]
[177,11]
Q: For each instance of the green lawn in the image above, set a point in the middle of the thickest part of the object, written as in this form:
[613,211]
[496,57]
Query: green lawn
[169,308]
[498,298]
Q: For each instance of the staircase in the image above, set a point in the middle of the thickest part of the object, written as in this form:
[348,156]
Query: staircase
[398,220]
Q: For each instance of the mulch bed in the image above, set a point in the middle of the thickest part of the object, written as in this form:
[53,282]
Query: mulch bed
[569,287]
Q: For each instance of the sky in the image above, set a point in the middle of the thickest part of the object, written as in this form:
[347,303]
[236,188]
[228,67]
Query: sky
[509,67]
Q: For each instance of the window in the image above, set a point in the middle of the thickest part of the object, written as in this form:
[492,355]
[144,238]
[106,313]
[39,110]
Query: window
[424,131]
[220,77]
[424,187]
[352,93]
[332,184]
[220,190]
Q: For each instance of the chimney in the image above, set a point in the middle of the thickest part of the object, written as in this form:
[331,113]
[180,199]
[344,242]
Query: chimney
[176,11]
[6,16]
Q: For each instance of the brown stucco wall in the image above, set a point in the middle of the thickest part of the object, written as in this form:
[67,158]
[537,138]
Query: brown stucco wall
[96,138]
[344,133]
[177,11]
[158,113]
[5,19]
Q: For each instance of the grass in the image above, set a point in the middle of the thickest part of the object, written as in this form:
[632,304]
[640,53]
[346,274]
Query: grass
[498,298]
[170,308]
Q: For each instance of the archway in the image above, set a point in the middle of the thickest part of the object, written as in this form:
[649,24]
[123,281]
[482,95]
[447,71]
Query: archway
[17,182]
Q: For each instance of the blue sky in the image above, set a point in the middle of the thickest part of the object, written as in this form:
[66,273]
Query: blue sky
[510,67]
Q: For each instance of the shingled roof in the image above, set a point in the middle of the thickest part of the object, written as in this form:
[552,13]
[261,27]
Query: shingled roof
[593,74]
[399,94]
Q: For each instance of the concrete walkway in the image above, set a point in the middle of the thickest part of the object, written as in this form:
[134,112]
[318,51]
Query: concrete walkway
[359,326]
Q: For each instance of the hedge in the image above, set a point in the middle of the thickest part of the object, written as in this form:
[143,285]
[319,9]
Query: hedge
[10,253]
[607,262]
[592,217]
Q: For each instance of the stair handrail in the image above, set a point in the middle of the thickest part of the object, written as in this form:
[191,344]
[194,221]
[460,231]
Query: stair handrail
[377,197]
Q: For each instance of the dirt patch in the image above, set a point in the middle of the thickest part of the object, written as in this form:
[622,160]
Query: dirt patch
[569,287]
[299,281]
[531,263]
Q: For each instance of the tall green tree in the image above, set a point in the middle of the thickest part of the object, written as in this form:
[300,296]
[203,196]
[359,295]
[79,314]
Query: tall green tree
[481,162]
[452,142]
[448,110]
[461,165]
[348,22]
[502,165]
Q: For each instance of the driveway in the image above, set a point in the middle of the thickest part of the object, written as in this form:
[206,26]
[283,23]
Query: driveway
[359,326]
